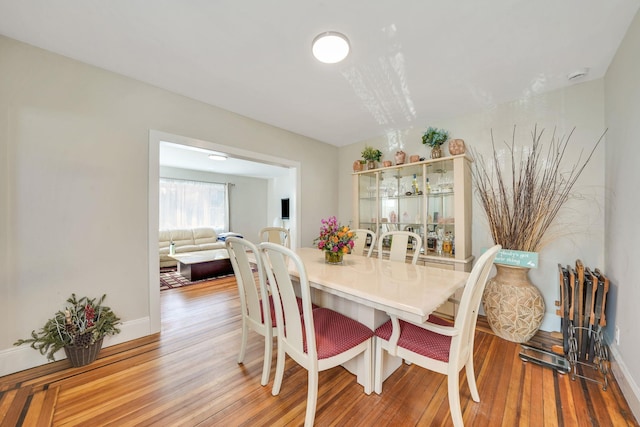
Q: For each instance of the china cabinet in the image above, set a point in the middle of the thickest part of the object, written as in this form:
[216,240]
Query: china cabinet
[431,198]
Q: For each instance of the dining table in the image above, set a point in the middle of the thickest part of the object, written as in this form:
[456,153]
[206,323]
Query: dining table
[370,289]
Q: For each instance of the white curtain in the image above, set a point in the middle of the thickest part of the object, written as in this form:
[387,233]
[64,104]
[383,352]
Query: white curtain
[189,204]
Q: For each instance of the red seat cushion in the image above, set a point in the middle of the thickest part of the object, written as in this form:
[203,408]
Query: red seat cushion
[419,340]
[336,333]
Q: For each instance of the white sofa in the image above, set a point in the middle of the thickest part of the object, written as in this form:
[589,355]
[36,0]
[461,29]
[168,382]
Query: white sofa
[187,240]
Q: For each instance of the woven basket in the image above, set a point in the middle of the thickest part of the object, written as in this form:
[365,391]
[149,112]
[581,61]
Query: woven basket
[80,356]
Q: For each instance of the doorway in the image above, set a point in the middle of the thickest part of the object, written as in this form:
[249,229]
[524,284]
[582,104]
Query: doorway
[263,165]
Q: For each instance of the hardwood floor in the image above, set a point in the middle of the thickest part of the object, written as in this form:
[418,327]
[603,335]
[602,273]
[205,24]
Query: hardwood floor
[188,376]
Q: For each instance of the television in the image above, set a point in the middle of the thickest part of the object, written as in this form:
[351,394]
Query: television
[284,208]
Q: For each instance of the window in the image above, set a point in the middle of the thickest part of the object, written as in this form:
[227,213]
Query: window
[189,204]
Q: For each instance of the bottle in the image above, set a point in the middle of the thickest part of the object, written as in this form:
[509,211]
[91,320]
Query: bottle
[427,187]
[439,241]
[172,248]
[414,184]
[368,241]
[431,241]
[446,244]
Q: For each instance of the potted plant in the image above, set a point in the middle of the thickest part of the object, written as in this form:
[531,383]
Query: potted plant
[371,155]
[78,329]
[434,138]
[521,195]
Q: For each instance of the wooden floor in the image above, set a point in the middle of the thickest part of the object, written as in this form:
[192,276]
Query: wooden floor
[188,376]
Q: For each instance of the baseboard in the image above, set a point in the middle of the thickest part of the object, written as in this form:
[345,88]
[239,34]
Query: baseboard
[625,381]
[16,359]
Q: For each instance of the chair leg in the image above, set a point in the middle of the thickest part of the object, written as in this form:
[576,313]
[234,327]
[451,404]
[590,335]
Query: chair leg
[266,365]
[277,382]
[243,340]
[454,399]
[312,398]
[471,380]
[368,368]
[377,375]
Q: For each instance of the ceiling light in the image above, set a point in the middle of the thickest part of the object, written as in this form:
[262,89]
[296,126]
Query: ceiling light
[330,47]
[218,157]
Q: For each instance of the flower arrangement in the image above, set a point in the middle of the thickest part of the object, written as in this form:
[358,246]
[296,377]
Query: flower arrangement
[371,154]
[434,137]
[82,323]
[335,237]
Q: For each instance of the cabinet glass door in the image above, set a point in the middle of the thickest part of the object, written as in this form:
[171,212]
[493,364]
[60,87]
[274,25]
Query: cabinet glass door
[440,209]
[401,195]
[368,202]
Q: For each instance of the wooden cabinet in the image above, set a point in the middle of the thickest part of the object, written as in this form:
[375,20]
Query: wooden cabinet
[431,198]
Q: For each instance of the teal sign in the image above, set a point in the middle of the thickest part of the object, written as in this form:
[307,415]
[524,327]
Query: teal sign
[517,258]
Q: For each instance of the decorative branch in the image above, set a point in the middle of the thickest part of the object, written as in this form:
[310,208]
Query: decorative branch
[520,214]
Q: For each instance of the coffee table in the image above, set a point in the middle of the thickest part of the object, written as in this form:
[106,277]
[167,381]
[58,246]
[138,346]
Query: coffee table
[203,264]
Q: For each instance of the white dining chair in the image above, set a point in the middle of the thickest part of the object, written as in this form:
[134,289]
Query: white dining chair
[255,303]
[360,243]
[399,245]
[437,344]
[278,235]
[321,338]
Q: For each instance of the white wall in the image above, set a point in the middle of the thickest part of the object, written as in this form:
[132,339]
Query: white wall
[622,109]
[247,197]
[281,188]
[74,169]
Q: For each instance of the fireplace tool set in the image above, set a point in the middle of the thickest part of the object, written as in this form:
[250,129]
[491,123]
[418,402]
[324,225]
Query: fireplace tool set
[583,297]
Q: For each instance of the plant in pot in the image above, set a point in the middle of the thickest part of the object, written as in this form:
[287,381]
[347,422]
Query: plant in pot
[521,196]
[371,155]
[78,329]
[434,138]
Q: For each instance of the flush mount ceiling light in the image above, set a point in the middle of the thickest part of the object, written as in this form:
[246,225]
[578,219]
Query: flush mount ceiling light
[218,157]
[330,47]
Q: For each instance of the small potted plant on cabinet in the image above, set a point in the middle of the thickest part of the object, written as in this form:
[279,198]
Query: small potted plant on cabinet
[78,329]
[434,138]
[371,155]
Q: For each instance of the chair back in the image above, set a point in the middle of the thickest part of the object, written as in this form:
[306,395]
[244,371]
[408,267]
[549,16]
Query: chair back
[360,244]
[399,245]
[462,344]
[239,252]
[278,235]
[294,338]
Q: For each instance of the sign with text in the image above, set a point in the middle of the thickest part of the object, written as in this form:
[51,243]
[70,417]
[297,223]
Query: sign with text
[516,258]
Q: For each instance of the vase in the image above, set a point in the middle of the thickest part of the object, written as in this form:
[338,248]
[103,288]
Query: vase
[331,257]
[371,164]
[358,166]
[456,146]
[513,305]
[400,157]
[82,355]
[436,152]
[386,163]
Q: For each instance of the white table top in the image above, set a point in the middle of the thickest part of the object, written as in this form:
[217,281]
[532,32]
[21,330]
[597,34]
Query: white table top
[411,292]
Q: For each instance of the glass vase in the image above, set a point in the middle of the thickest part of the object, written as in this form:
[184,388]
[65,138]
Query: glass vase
[333,257]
